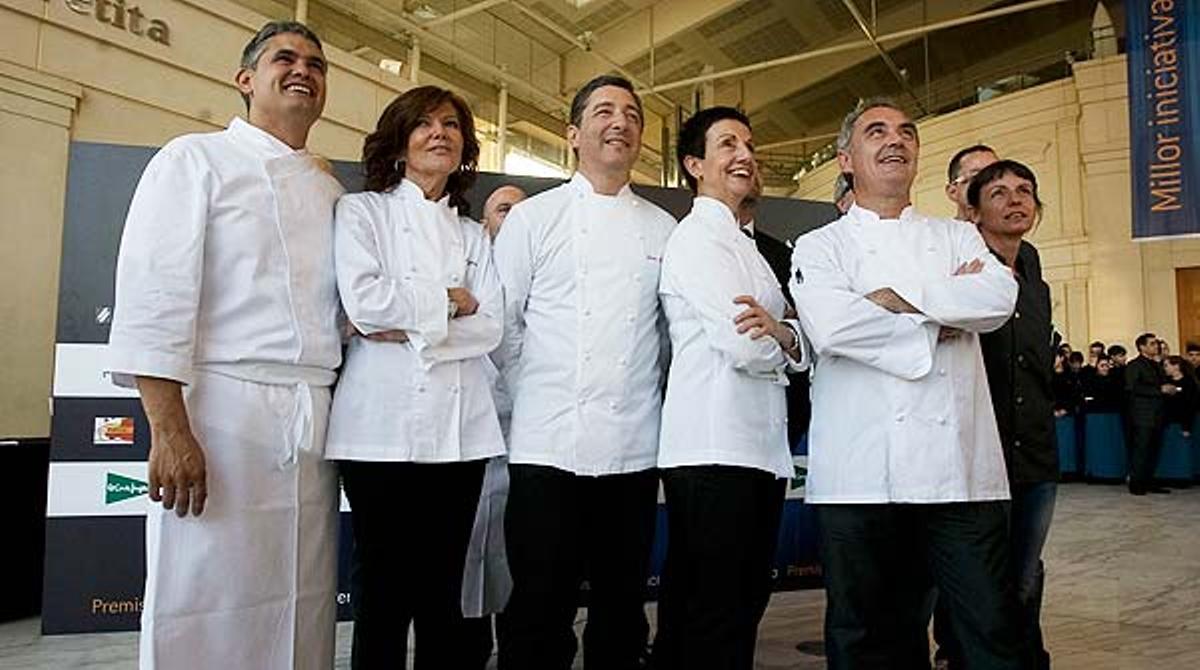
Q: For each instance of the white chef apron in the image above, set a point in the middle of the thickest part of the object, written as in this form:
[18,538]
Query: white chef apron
[251,583]
[486,580]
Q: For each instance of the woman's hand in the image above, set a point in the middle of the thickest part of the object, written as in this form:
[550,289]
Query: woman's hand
[467,304]
[756,321]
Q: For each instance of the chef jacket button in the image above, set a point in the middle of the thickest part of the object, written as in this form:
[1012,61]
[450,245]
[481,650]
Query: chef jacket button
[941,419]
[1020,358]
[420,389]
[900,417]
[629,318]
[635,203]
[454,278]
[407,277]
[621,362]
[581,401]
[1016,443]
[612,404]
[587,312]
[942,372]
[1016,315]
[408,229]
[583,231]
[1020,400]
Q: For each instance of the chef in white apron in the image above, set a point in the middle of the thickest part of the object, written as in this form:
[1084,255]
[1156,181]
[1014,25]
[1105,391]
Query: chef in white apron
[413,422]
[225,319]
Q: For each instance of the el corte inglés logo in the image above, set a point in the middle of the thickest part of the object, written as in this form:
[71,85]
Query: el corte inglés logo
[120,487]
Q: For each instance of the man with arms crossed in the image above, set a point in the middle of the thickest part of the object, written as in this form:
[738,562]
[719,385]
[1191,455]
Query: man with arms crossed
[909,477]
[581,357]
[226,320]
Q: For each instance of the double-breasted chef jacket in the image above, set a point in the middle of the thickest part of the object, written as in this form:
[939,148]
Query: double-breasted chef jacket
[225,284]
[899,416]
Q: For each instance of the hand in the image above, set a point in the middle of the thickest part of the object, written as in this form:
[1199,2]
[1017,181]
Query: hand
[467,304]
[947,333]
[1059,413]
[891,301]
[756,321]
[178,474]
[398,336]
[971,268]
[1170,389]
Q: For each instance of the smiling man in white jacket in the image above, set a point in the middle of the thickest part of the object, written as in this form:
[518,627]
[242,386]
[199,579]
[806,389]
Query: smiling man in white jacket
[905,461]
[226,320]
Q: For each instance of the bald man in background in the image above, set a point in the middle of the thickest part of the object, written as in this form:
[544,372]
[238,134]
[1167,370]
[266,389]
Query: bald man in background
[496,208]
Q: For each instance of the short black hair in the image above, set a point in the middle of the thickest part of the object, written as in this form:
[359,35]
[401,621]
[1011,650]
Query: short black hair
[1143,339]
[584,94]
[258,44]
[1075,357]
[1097,344]
[694,131]
[1116,350]
[1192,346]
[956,161]
[997,170]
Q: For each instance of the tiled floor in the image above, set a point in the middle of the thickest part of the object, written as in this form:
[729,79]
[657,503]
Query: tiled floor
[1123,593]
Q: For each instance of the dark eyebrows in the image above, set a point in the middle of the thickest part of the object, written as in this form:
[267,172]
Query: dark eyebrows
[317,62]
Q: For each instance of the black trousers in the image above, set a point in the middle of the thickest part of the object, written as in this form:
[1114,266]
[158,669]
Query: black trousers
[879,561]
[412,523]
[1145,441]
[560,529]
[723,529]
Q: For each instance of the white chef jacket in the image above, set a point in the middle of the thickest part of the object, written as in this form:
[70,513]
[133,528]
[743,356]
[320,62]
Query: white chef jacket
[725,403]
[428,400]
[897,415]
[239,276]
[225,283]
[581,349]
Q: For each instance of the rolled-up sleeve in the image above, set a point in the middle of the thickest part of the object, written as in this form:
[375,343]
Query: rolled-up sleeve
[160,269]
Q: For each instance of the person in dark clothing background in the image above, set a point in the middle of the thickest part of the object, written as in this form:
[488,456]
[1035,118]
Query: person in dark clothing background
[1104,392]
[1146,391]
[1181,407]
[1019,359]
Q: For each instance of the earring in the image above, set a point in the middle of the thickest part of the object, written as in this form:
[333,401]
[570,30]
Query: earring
[398,165]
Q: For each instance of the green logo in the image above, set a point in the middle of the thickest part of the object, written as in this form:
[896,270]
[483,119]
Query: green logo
[801,476]
[120,487]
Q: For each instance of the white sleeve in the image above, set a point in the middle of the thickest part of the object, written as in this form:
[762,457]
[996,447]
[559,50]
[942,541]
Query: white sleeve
[839,322]
[477,334]
[514,259]
[160,268]
[980,302]
[707,276]
[374,300]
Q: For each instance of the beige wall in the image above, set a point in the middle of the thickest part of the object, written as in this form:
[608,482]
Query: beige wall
[1074,134]
[66,76]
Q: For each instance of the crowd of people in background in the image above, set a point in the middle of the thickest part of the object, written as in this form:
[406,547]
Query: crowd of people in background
[1153,392]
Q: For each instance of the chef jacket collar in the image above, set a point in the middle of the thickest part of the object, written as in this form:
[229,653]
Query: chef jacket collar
[718,215]
[410,191]
[260,140]
[581,184]
[862,215]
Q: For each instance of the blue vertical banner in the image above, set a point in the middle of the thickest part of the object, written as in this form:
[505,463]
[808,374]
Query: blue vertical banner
[1163,38]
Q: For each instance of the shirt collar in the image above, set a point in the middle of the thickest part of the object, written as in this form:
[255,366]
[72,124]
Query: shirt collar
[410,191]
[717,213]
[863,215]
[581,184]
[260,140]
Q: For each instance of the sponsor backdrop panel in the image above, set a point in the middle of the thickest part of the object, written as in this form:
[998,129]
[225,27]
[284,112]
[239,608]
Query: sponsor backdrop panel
[97,493]
[1164,114]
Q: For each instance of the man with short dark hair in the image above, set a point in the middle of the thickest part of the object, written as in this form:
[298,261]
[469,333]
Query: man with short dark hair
[582,359]
[908,478]
[226,321]
[1146,390]
[1192,353]
[964,165]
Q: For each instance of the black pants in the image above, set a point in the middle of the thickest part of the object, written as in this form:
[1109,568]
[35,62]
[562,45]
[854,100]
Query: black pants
[723,528]
[879,561]
[560,529]
[1145,441]
[412,523]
